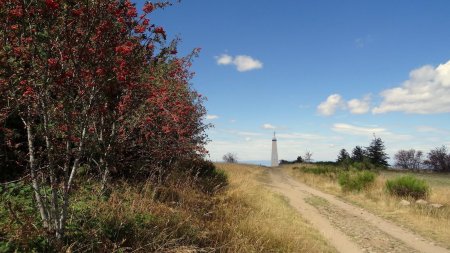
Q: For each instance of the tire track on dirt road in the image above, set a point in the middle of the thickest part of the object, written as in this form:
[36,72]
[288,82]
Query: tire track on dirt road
[360,230]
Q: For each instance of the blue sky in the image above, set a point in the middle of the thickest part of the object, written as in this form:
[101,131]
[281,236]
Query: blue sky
[324,75]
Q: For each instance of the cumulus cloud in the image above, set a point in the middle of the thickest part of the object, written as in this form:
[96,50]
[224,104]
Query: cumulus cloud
[224,59]
[335,102]
[425,92]
[211,117]
[332,103]
[359,106]
[241,62]
[268,126]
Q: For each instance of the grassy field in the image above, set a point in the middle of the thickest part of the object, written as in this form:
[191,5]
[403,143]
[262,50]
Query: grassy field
[427,221]
[264,221]
[137,217]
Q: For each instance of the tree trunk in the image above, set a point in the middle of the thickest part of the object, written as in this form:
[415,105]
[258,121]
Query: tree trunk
[36,187]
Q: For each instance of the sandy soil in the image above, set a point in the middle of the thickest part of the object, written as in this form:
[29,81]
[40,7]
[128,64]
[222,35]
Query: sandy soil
[348,228]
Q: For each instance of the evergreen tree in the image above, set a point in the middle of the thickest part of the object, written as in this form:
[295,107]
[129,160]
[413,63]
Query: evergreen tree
[358,154]
[376,154]
[343,156]
[299,159]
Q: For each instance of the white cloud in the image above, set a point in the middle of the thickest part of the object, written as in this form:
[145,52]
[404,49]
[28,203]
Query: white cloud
[369,131]
[359,106]
[246,63]
[301,136]
[241,62]
[356,130]
[211,117]
[243,133]
[224,59]
[268,126]
[425,92]
[429,129]
[332,103]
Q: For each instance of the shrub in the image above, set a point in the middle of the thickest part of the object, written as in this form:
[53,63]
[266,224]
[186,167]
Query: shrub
[365,164]
[320,170]
[356,180]
[203,174]
[408,186]
[230,158]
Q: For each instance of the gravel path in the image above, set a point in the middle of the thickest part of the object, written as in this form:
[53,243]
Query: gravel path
[347,227]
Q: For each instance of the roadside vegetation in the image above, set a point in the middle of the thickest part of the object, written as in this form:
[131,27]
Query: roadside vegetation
[419,201]
[415,192]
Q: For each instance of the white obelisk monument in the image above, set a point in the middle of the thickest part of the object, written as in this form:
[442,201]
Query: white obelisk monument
[274,152]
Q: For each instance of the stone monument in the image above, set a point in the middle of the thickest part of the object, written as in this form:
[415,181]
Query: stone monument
[274,160]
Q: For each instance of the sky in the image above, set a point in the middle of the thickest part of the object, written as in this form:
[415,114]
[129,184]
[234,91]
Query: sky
[325,75]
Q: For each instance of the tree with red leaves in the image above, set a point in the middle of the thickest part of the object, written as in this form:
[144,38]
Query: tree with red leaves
[94,84]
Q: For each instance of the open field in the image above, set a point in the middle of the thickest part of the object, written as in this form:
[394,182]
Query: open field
[427,221]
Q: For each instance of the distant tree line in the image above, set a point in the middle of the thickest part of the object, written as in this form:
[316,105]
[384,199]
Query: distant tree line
[438,159]
[298,160]
[373,156]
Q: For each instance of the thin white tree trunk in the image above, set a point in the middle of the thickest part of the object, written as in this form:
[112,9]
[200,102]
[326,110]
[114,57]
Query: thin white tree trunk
[36,187]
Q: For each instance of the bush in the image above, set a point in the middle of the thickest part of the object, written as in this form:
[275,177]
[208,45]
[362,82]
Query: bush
[230,158]
[320,170]
[356,180]
[204,174]
[408,186]
[365,164]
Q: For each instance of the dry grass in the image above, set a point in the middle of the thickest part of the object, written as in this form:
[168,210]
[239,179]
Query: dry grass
[243,217]
[262,220]
[427,221]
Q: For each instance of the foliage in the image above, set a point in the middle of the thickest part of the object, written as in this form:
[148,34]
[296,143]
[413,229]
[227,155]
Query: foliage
[12,148]
[204,173]
[128,219]
[320,170]
[409,159]
[356,180]
[343,156]
[307,157]
[230,158]
[408,186]
[358,154]
[94,86]
[376,153]
[365,164]
[298,160]
[439,159]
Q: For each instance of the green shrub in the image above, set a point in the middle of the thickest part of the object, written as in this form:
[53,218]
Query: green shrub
[408,186]
[364,165]
[356,180]
[320,170]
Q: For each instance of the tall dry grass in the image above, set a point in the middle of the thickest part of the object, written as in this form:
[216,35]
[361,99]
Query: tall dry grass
[424,219]
[177,217]
[263,221]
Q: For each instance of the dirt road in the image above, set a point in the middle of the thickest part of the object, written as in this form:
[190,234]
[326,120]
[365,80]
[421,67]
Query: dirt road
[347,227]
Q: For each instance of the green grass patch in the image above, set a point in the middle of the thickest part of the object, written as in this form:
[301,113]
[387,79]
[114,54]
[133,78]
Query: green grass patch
[356,180]
[408,186]
[320,170]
